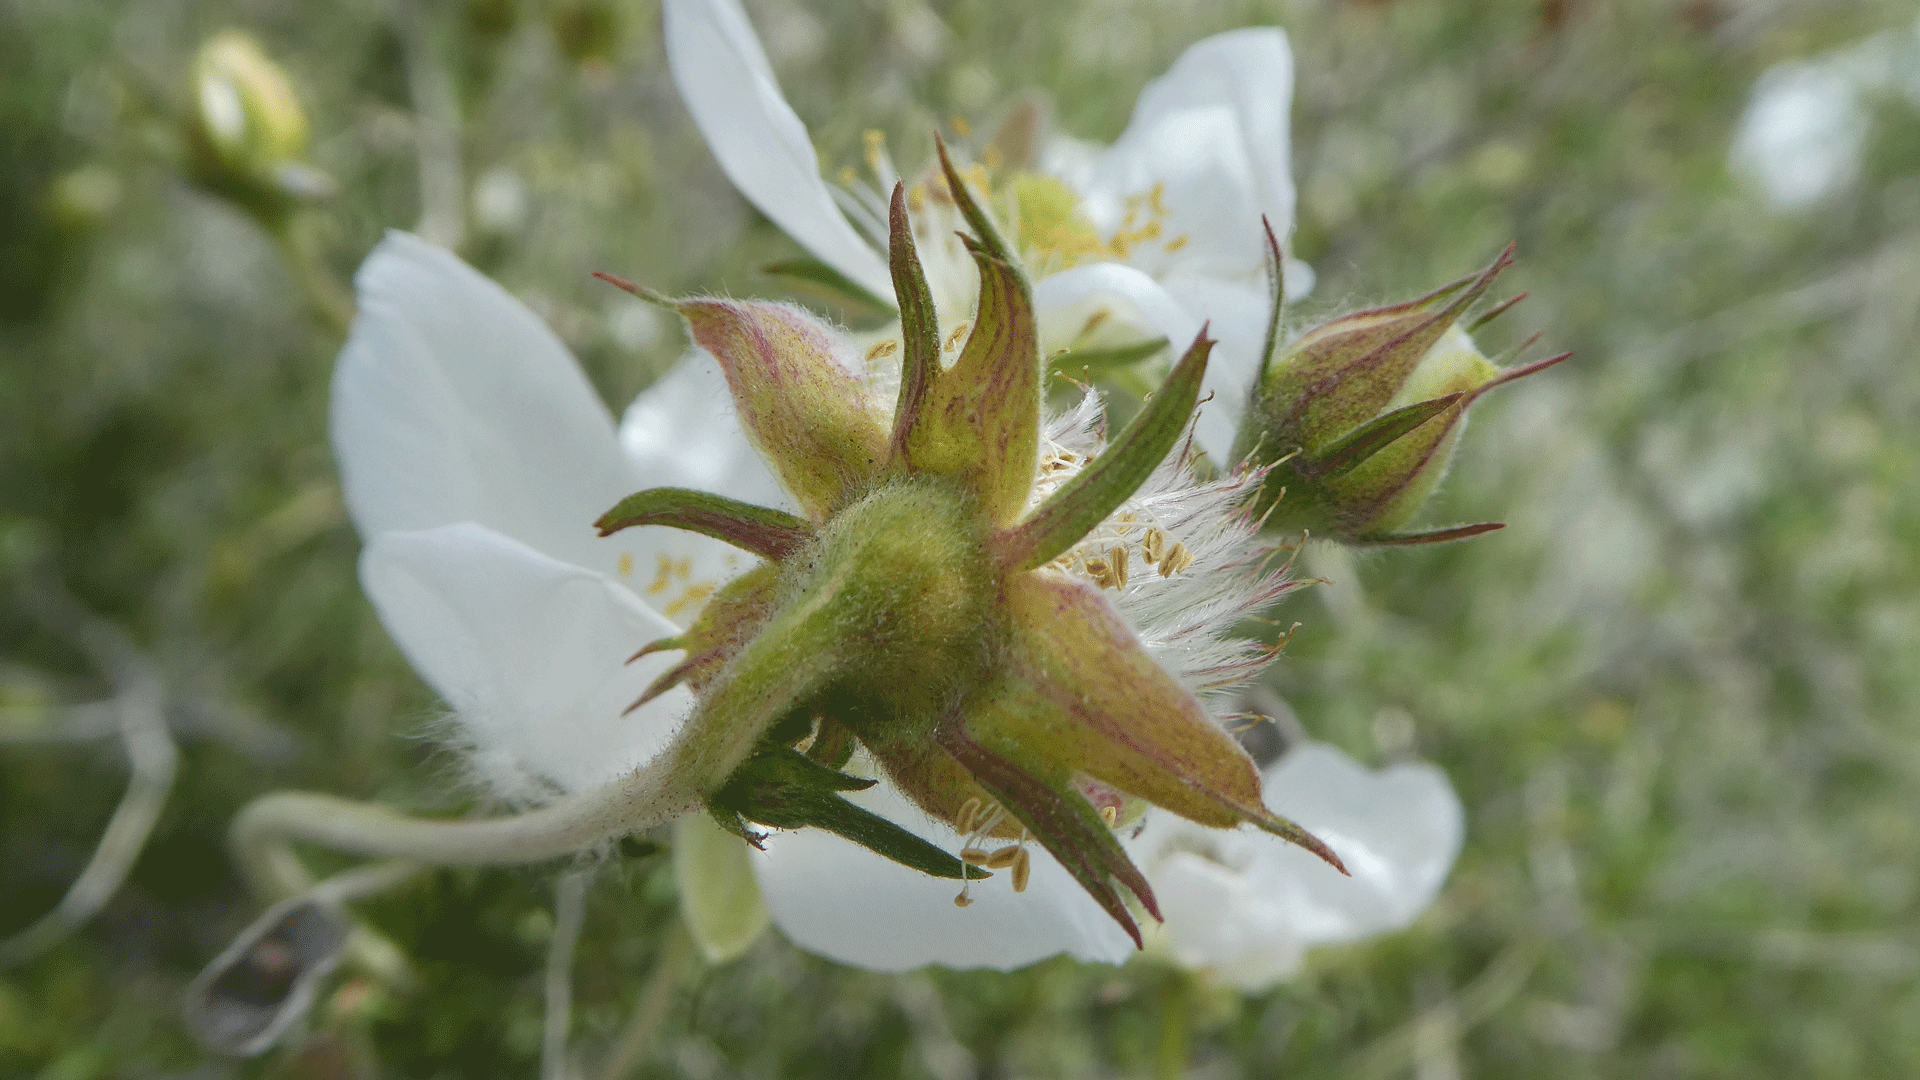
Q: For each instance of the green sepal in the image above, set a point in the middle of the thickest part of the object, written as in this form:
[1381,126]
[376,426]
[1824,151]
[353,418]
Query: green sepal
[768,533]
[1098,490]
[919,325]
[1064,823]
[978,220]
[1276,299]
[1349,451]
[817,279]
[785,789]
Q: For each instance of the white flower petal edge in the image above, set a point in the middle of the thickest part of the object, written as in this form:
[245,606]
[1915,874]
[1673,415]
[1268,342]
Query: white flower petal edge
[843,902]
[529,651]
[1214,131]
[1231,367]
[1247,906]
[452,402]
[762,146]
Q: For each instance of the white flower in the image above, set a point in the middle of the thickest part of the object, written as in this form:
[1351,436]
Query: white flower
[1246,908]
[474,457]
[1160,231]
[1804,132]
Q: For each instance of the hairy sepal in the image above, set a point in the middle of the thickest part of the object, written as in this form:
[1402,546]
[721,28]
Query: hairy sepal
[804,409]
[768,533]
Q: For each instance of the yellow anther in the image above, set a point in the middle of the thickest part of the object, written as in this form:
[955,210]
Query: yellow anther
[848,176]
[974,856]
[626,564]
[990,157]
[961,127]
[1153,545]
[882,349]
[955,336]
[1117,561]
[1003,857]
[976,176]
[1100,572]
[1178,558]
[683,567]
[963,900]
[917,198]
[969,811]
[662,576]
[1110,815]
[1022,869]
[1179,242]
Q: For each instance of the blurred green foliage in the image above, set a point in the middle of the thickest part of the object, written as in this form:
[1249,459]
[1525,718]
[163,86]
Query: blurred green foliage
[1678,696]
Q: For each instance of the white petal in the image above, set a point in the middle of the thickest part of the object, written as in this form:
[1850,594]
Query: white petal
[837,899]
[1804,131]
[1214,132]
[1061,301]
[529,651]
[683,431]
[452,402]
[1246,904]
[728,86]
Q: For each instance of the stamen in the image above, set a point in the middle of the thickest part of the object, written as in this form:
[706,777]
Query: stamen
[961,127]
[1022,869]
[882,349]
[625,564]
[1111,815]
[1178,242]
[1153,545]
[974,856]
[1100,572]
[969,810]
[848,177]
[963,900]
[954,338]
[1178,558]
[990,157]
[1003,857]
[1117,559]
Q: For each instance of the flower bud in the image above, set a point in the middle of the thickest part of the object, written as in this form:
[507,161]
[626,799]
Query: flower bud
[246,132]
[1357,419]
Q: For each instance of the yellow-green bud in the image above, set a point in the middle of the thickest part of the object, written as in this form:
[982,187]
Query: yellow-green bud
[246,132]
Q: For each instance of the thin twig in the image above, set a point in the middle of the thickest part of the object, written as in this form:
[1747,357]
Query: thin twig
[643,1030]
[139,703]
[569,912]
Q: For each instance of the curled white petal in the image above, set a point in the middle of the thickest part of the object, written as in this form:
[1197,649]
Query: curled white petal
[1247,905]
[529,651]
[728,86]
[1213,136]
[452,402]
[1145,302]
[835,898]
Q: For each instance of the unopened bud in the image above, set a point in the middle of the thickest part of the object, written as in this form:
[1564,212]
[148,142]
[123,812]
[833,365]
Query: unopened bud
[1357,420]
[246,132]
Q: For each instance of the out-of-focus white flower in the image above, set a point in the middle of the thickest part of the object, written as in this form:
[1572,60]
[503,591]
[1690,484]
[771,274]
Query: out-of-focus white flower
[475,458]
[1160,231]
[1804,131]
[1246,908]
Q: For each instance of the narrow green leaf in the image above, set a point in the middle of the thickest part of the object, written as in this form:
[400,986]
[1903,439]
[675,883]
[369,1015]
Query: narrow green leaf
[1102,360]
[1346,453]
[815,277]
[1431,536]
[1098,490]
[919,327]
[768,533]
[883,837]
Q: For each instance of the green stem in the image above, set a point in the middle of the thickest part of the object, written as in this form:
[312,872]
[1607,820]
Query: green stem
[1170,1059]
[677,961]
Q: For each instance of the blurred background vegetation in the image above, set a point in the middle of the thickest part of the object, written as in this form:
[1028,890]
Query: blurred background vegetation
[1680,695]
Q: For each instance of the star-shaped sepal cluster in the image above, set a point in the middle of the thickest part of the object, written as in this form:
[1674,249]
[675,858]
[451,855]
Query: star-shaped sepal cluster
[916,606]
[1357,419]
